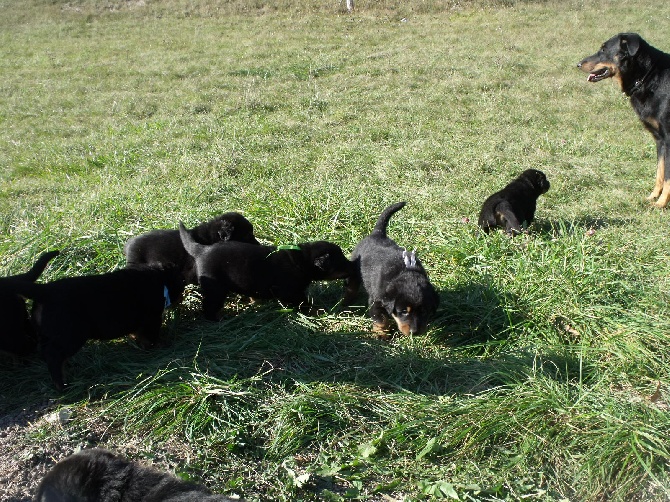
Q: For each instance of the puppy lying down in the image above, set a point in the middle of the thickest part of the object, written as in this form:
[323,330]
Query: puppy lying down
[395,280]
[262,272]
[98,475]
[68,312]
[164,247]
[513,207]
[17,335]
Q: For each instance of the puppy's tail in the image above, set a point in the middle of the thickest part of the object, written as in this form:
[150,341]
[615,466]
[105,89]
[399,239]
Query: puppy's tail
[190,245]
[34,273]
[383,220]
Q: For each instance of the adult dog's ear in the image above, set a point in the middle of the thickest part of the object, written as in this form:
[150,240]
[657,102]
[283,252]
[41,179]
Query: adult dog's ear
[630,43]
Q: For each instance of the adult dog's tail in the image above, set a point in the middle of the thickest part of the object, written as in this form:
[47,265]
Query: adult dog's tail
[190,245]
[383,220]
[34,273]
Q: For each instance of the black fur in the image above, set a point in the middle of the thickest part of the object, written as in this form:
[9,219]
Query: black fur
[514,206]
[643,72]
[68,312]
[98,475]
[17,335]
[262,272]
[164,247]
[395,280]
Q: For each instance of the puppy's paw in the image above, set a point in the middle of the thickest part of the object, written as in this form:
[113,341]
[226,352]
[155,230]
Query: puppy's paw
[382,330]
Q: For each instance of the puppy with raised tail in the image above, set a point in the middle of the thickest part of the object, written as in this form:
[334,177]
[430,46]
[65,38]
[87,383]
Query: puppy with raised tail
[164,247]
[69,311]
[397,285]
[17,335]
[262,272]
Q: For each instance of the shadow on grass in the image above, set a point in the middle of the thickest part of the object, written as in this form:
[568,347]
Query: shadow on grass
[471,346]
[578,225]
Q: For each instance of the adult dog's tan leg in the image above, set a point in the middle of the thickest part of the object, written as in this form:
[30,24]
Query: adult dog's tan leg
[660,174]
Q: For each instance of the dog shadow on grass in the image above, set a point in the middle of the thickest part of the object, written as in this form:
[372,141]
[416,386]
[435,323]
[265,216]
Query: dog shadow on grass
[470,347]
[580,225]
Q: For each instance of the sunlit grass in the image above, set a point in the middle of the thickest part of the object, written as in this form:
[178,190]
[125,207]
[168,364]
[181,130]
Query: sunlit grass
[544,375]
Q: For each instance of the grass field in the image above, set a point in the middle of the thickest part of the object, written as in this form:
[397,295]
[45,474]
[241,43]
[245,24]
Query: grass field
[545,374]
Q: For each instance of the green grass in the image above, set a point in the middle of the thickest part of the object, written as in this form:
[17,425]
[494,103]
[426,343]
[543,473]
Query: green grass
[535,380]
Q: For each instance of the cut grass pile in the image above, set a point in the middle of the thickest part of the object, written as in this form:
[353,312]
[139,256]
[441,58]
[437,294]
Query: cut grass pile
[545,373]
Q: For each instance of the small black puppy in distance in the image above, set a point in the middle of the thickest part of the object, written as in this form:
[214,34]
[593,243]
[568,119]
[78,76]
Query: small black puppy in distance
[17,335]
[262,272]
[395,280]
[514,205]
[98,475]
[164,247]
[643,72]
[68,312]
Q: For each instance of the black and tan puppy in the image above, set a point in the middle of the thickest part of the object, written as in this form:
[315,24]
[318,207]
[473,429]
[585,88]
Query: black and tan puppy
[17,335]
[643,72]
[262,272]
[395,280]
[68,312]
[164,247]
[514,206]
[98,475]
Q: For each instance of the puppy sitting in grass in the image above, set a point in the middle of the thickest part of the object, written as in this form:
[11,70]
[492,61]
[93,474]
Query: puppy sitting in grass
[164,247]
[513,207]
[262,272]
[98,475]
[396,282]
[68,312]
[17,336]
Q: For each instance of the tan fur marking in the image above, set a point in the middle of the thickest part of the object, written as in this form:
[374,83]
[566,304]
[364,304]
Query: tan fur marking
[404,328]
[658,186]
[665,195]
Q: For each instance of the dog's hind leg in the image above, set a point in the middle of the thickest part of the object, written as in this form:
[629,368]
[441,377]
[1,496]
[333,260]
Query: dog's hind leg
[664,198]
[213,296]
[660,171]
[505,217]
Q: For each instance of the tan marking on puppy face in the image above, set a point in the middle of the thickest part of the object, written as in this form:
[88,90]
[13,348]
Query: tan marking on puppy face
[404,327]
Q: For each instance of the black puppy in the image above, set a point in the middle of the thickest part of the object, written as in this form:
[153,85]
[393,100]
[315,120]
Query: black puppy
[17,335]
[164,247]
[395,280]
[514,206]
[262,272]
[643,72]
[68,312]
[98,475]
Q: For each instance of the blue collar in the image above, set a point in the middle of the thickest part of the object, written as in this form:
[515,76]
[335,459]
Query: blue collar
[166,295]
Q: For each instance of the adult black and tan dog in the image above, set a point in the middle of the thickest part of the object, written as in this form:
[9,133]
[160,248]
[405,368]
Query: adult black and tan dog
[394,279]
[68,312]
[98,475]
[643,72]
[164,247]
[514,206]
[262,272]
[17,335]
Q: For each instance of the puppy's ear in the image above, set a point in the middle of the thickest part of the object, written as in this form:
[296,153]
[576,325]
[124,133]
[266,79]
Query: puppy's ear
[388,300]
[322,262]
